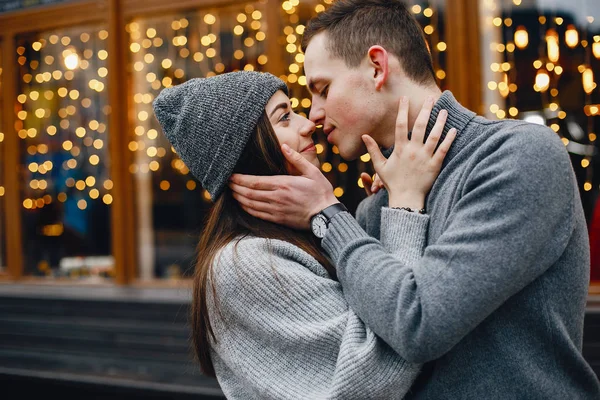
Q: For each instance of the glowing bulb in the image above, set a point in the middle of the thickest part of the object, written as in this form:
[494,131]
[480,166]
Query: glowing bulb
[596,49]
[542,81]
[552,42]
[72,61]
[588,80]
[571,36]
[521,37]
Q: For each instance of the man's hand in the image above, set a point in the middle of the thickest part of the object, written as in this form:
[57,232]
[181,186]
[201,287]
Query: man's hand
[415,163]
[285,199]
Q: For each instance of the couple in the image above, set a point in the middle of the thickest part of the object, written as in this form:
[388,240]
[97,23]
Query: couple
[464,278]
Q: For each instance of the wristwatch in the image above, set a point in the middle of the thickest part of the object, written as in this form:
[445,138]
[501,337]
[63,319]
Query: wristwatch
[320,221]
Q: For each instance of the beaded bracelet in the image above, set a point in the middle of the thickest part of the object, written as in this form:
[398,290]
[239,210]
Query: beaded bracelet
[421,211]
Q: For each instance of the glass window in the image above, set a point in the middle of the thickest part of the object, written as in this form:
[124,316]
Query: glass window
[541,61]
[167,50]
[62,113]
[2,190]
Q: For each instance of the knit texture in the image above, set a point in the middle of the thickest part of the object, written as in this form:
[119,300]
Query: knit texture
[209,121]
[284,329]
[495,306]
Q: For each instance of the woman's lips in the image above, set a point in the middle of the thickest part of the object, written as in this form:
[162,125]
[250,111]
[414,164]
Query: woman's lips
[311,147]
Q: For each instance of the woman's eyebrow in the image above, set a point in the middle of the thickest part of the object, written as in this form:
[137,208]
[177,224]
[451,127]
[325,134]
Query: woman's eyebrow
[277,107]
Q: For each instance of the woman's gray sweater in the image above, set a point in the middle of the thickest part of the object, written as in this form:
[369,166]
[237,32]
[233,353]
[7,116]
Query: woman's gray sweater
[284,329]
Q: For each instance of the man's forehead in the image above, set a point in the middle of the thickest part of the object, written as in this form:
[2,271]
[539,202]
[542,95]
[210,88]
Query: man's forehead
[317,63]
[316,51]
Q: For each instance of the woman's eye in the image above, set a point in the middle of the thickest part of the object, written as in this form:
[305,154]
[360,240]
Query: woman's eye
[324,91]
[285,117]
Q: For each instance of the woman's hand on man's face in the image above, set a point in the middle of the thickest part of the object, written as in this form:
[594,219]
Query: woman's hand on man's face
[285,199]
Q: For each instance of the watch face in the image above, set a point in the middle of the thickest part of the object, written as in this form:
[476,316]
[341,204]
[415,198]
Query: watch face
[319,226]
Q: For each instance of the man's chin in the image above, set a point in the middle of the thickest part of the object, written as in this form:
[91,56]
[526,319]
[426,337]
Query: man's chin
[349,154]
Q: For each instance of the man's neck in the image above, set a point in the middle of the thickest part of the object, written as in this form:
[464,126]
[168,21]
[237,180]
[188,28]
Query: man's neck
[417,99]
[416,96]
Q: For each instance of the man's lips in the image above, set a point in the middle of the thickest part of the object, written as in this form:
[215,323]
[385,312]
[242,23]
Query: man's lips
[330,138]
[328,134]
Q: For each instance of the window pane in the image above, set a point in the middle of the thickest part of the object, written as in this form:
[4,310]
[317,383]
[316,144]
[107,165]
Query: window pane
[165,51]
[2,190]
[541,64]
[62,114]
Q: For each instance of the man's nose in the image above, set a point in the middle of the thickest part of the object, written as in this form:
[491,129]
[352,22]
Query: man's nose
[317,112]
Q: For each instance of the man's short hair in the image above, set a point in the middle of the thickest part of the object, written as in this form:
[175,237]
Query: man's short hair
[353,26]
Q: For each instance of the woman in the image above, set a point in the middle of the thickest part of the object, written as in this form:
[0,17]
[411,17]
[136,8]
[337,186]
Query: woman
[269,319]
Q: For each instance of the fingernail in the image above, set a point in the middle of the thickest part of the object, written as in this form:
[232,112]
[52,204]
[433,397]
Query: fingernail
[444,113]
[404,99]
[286,148]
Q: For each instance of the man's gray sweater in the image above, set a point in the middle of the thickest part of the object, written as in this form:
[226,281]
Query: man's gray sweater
[495,306]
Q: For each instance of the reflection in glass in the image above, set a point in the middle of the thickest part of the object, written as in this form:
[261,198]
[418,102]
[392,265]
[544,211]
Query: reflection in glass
[541,64]
[62,114]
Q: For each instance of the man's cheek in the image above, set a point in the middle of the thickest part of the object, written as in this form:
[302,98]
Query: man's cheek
[346,111]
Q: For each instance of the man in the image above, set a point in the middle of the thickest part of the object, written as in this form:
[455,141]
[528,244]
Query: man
[495,305]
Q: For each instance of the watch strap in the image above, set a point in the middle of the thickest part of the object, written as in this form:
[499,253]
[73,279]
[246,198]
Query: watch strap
[332,210]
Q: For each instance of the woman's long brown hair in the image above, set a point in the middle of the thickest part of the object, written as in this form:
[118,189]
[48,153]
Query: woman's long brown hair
[227,221]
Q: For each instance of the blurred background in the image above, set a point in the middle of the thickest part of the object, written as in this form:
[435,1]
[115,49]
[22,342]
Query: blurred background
[99,218]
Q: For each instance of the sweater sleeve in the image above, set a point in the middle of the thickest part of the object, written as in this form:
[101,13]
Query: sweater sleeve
[403,234]
[511,223]
[284,331]
[368,213]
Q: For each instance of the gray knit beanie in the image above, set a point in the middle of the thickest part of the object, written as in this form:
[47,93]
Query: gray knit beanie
[209,121]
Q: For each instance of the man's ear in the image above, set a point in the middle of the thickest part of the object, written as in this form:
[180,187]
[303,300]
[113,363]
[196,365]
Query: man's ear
[378,61]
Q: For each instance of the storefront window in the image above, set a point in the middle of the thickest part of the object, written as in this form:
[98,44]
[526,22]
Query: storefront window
[168,50]
[541,64]
[62,113]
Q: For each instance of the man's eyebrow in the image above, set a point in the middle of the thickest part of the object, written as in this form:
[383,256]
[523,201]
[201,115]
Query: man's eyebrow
[277,107]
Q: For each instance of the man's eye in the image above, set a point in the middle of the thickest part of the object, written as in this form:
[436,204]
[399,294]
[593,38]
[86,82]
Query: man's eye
[285,117]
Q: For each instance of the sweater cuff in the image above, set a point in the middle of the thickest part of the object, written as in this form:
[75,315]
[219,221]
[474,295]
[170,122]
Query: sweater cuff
[343,229]
[404,233]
